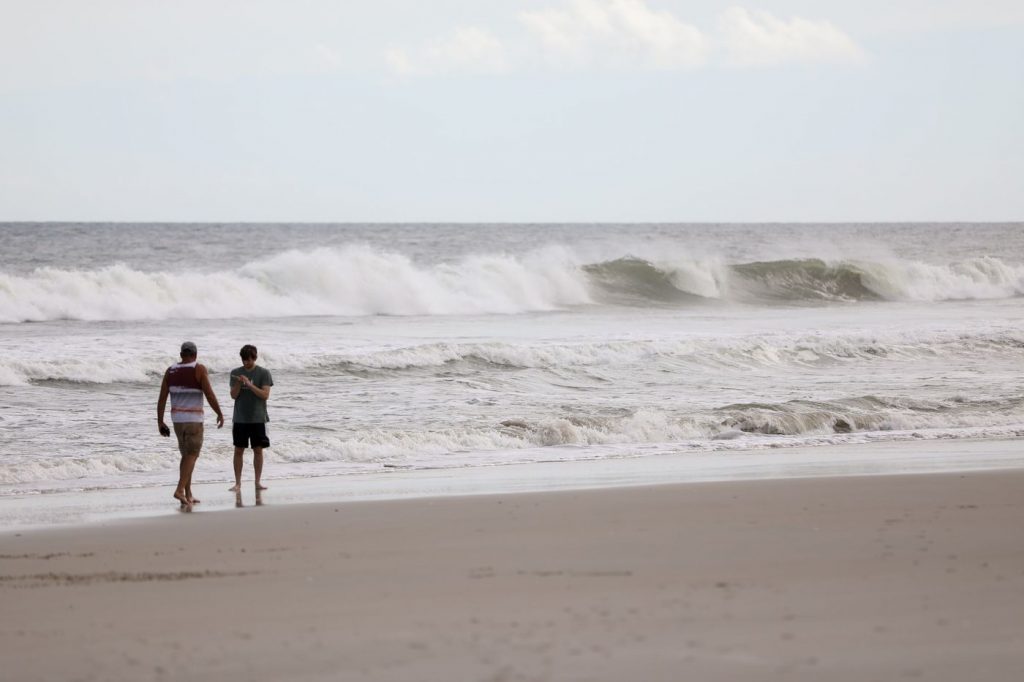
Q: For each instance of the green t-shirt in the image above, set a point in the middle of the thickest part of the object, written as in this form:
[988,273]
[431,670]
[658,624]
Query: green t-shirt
[248,408]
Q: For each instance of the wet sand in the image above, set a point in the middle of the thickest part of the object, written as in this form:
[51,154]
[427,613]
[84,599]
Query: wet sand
[854,578]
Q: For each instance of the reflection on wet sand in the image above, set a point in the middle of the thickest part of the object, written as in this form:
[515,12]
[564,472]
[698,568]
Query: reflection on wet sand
[239,502]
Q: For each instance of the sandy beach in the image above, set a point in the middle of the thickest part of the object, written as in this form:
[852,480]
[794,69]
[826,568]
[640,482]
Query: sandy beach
[851,578]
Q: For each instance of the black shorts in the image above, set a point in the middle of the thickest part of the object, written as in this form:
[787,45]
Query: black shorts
[250,435]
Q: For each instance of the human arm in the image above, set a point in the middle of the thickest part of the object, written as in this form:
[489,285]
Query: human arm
[211,397]
[161,406]
[236,386]
[263,393]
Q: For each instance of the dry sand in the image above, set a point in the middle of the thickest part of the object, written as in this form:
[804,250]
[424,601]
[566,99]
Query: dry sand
[859,578]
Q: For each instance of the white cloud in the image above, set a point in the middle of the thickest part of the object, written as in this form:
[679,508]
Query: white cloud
[622,32]
[761,39]
[469,49]
[630,35]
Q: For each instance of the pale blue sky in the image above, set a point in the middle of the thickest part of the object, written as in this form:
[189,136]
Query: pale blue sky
[514,110]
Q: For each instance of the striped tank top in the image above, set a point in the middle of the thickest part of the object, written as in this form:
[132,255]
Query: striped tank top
[186,394]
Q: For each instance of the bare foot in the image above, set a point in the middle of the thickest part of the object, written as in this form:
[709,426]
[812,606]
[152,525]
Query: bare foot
[180,497]
[260,487]
[235,488]
[195,500]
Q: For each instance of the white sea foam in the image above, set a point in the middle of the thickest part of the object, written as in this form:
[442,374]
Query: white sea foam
[975,278]
[754,350]
[375,448]
[359,280]
[353,280]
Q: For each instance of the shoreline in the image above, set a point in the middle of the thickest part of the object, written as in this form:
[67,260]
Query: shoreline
[852,578]
[871,459]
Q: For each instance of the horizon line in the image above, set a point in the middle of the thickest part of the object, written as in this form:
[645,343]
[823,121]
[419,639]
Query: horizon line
[513,222]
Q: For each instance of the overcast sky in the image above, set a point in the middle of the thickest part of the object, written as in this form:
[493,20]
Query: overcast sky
[512,110]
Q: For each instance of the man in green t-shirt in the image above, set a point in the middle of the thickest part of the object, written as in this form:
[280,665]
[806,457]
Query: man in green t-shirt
[250,389]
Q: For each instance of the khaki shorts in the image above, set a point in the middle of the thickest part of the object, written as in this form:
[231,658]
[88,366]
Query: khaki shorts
[190,438]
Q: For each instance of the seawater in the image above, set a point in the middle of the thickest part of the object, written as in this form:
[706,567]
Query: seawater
[435,346]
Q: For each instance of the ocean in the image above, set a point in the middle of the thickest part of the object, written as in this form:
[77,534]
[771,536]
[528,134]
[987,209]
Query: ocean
[398,347]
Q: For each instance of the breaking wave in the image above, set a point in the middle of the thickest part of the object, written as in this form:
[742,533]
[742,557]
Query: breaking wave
[807,280]
[731,427]
[740,353]
[359,281]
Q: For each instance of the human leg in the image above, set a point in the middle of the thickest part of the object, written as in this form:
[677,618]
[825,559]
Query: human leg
[238,470]
[188,480]
[240,439]
[257,464]
[258,434]
[181,493]
[190,443]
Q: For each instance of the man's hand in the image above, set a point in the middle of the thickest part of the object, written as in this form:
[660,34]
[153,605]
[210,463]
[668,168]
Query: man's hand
[162,428]
[246,381]
[220,421]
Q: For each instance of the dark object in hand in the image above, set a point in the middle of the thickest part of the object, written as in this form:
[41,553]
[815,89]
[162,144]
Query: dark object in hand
[165,430]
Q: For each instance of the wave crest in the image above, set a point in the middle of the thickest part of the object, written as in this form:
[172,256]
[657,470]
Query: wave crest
[359,280]
[803,280]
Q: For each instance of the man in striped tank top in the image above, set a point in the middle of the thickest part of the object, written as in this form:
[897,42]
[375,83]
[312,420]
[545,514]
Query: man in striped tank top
[186,382]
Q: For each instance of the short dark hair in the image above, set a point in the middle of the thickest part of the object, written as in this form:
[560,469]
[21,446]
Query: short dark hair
[248,352]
